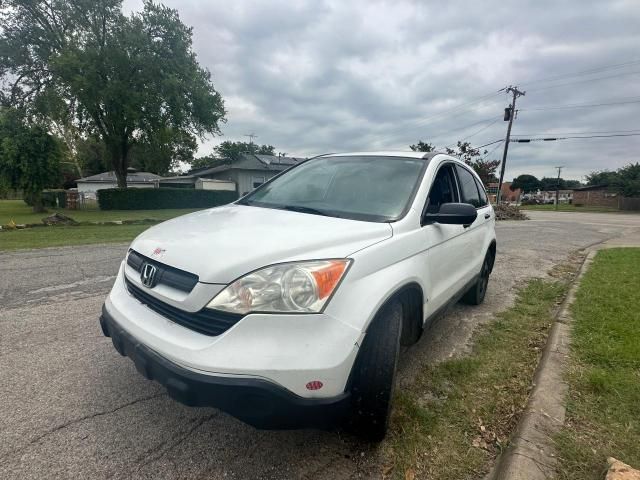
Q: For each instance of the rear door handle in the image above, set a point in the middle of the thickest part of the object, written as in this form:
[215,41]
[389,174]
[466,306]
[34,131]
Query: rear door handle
[487,216]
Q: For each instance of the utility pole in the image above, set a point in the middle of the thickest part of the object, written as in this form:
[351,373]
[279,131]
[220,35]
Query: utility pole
[558,185]
[512,113]
[251,137]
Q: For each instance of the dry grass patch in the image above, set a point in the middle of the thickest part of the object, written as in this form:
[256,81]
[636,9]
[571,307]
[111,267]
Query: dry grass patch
[458,416]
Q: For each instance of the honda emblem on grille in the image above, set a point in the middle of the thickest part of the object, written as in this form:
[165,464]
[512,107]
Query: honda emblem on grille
[148,275]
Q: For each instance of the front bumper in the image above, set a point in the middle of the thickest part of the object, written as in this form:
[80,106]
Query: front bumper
[255,401]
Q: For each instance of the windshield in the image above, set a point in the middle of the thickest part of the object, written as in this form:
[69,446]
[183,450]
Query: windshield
[375,189]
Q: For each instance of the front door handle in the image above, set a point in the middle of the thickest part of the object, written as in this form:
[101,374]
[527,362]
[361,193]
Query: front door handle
[487,216]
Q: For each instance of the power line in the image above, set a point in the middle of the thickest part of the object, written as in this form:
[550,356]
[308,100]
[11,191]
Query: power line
[491,151]
[460,109]
[453,112]
[583,81]
[580,105]
[559,134]
[553,139]
[589,71]
[481,130]
[490,143]
[491,121]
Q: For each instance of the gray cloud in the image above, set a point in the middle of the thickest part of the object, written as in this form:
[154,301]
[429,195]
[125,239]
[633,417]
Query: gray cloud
[311,77]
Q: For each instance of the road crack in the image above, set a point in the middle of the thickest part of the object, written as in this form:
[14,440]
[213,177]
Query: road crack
[176,443]
[75,421]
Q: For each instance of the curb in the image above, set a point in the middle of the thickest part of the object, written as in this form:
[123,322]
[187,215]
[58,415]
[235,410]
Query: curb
[530,453]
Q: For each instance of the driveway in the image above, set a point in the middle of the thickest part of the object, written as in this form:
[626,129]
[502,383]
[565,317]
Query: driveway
[71,407]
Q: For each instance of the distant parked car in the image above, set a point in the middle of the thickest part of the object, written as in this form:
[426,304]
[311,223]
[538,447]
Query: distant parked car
[288,307]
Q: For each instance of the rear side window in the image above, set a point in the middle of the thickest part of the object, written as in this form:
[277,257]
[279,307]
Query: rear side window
[468,187]
[483,194]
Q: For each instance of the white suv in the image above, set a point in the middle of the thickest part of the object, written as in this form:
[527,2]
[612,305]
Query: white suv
[288,307]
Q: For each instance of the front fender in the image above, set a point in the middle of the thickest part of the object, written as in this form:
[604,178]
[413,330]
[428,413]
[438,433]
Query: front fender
[370,283]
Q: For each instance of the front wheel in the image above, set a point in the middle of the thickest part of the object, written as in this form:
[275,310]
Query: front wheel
[475,295]
[374,375]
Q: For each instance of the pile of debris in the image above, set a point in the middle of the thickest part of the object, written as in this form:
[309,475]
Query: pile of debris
[509,212]
[59,219]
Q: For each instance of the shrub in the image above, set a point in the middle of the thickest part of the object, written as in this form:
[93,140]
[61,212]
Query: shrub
[49,198]
[159,198]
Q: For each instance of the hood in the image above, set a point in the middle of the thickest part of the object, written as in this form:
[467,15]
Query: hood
[224,243]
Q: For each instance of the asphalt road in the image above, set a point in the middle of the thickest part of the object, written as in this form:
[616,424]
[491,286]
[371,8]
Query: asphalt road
[71,407]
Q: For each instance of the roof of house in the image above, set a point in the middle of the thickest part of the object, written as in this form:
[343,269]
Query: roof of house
[591,187]
[553,192]
[253,162]
[110,177]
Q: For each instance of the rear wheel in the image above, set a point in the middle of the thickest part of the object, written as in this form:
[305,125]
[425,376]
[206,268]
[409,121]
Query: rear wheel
[475,295]
[374,375]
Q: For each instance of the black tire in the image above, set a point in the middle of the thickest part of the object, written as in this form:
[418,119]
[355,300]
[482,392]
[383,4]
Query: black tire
[374,374]
[412,320]
[475,295]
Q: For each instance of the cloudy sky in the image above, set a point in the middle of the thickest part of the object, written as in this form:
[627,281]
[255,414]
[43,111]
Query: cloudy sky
[319,76]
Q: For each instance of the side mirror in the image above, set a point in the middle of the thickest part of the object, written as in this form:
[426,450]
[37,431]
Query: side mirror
[452,214]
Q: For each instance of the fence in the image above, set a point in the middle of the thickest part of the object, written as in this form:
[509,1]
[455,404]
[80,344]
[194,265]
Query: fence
[630,203]
[81,200]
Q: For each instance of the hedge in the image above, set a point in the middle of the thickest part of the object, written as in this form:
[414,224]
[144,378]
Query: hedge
[159,198]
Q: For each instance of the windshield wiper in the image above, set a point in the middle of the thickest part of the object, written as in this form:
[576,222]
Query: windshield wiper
[302,209]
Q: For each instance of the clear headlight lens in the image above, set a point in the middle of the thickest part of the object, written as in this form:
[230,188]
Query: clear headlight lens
[286,287]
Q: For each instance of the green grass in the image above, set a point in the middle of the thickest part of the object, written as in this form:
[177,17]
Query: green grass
[567,207]
[20,212]
[56,236]
[603,409]
[61,236]
[459,414]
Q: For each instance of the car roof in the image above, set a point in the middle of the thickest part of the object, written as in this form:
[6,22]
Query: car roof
[386,153]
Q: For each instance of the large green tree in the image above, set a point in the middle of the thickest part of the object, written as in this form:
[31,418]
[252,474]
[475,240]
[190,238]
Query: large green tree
[29,156]
[231,151]
[551,183]
[91,156]
[527,183]
[602,177]
[164,153]
[125,79]
[625,180]
[207,161]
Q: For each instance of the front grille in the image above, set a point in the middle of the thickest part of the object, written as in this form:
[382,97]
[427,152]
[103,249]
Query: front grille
[206,321]
[166,275]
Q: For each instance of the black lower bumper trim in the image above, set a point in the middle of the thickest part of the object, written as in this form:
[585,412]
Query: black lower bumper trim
[257,402]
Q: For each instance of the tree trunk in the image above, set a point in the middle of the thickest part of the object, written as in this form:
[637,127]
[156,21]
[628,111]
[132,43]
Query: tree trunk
[120,161]
[38,207]
[121,175]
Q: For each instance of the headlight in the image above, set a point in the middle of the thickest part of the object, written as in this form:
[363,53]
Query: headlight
[286,287]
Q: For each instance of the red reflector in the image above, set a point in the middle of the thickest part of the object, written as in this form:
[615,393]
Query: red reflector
[315,385]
